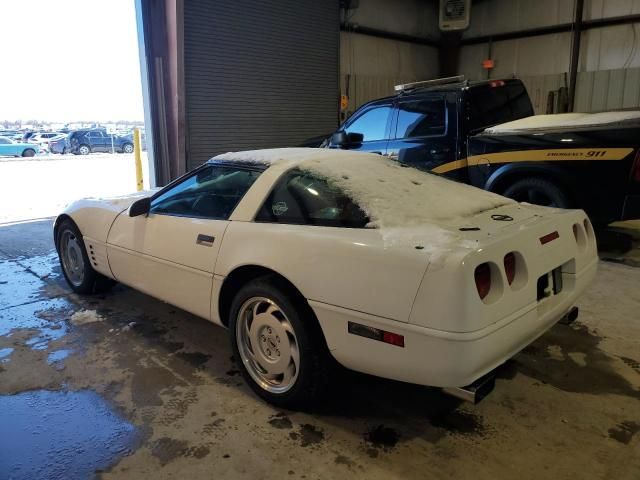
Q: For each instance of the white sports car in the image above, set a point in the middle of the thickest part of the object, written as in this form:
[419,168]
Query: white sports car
[305,254]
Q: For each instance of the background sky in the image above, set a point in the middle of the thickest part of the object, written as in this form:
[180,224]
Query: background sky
[67,60]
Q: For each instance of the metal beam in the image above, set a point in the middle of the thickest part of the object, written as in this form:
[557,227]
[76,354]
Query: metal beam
[375,32]
[576,31]
[561,28]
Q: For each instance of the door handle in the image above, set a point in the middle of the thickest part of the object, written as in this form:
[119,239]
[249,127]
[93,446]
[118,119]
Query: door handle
[435,151]
[206,240]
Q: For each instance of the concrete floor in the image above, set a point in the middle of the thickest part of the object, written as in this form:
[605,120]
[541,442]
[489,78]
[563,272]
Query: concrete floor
[149,391]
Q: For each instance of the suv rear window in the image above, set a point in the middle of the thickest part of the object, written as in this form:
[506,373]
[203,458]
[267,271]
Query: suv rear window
[490,106]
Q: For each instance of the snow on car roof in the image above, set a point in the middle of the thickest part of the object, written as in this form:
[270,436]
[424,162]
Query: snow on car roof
[563,120]
[392,195]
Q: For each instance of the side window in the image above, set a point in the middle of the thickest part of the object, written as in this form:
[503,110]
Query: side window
[372,123]
[422,118]
[4,141]
[301,198]
[212,192]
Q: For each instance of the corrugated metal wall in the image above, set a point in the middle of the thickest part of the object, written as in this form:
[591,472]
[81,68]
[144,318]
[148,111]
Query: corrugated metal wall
[372,66]
[258,74]
[609,57]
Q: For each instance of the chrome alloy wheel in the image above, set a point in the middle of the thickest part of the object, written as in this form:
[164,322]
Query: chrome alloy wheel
[267,344]
[71,256]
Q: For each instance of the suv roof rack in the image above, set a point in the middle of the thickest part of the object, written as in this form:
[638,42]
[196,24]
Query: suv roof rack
[428,83]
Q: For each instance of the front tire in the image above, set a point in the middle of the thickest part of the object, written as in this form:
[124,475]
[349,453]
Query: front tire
[538,191]
[84,150]
[127,148]
[278,344]
[75,263]
[29,152]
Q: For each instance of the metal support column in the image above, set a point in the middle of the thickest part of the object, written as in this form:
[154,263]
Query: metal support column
[576,30]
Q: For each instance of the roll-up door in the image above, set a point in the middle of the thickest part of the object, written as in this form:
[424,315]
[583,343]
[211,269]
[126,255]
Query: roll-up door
[259,74]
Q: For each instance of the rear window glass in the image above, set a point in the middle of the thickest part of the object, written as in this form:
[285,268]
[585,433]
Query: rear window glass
[302,198]
[494,105]
[421,118]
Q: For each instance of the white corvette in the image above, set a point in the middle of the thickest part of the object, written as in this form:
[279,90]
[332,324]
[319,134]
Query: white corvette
[310,253]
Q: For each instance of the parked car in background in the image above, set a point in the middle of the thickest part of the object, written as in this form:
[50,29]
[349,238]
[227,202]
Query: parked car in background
[27,135]
[84,142]
[43,137]
[9,147]
[58,144]
[143,140]
[12,134]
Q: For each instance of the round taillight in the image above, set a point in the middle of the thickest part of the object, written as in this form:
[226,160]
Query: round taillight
[482,276]
[510,266]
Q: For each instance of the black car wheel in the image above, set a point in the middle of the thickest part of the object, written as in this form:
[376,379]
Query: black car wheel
[127,148]
[538,191]
[29,152]
[76,266]
[84,150]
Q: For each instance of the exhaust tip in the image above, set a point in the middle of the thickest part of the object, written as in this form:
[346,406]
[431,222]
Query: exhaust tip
[475,392]
[570,317]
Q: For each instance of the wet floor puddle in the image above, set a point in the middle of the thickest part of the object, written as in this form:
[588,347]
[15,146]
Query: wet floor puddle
[60,435]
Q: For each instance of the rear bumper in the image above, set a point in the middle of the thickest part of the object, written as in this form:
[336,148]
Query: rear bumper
[631,208]
[439,358]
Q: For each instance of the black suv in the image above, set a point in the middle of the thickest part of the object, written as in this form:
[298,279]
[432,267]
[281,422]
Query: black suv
[84,142]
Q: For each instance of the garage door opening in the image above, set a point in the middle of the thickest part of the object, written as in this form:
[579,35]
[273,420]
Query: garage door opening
[71,101]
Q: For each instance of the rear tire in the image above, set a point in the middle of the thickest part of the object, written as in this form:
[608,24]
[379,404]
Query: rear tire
[278,344]
[75,263]
[538,191]
[29,152]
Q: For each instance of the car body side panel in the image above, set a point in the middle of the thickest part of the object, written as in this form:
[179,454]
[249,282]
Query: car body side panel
[161,255]
[346,267]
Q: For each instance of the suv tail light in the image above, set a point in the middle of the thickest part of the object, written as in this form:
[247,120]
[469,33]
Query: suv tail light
[635,169]
[510,266]
[482,276]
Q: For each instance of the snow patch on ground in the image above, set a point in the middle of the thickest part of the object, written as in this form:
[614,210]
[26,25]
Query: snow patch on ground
[83,317]
[565,120]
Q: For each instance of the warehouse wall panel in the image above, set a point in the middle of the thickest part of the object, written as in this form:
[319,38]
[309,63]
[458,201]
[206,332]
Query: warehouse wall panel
[608,56]
[370,66]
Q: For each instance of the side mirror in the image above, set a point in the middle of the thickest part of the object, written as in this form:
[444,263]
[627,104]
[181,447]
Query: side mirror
[140,207]
[343,139]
